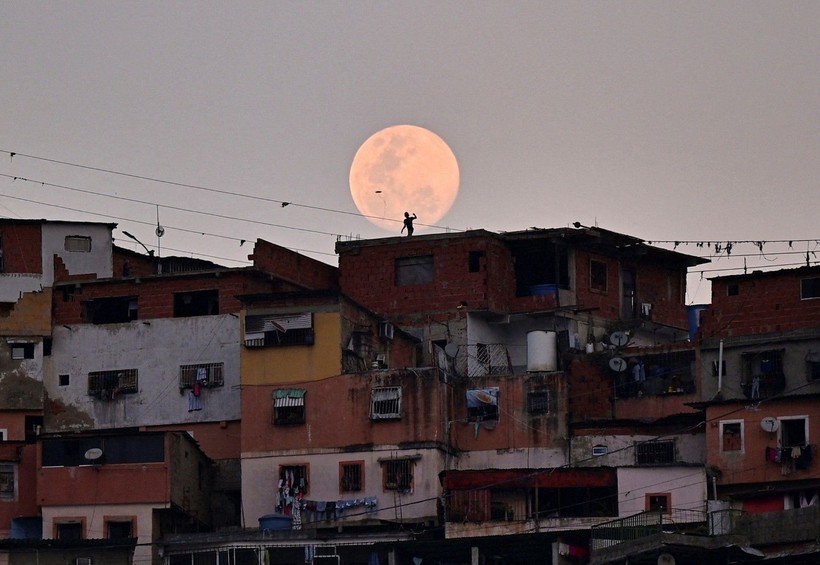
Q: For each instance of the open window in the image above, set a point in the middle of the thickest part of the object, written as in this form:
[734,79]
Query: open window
[659,502]
[197,303]
[763,374]
[794,431]
[113,310]
[8,481]
[289,406]
[482,404]
[107,385]
[203,374]
[279,330]
[731,436]
[414,270]
[119,529]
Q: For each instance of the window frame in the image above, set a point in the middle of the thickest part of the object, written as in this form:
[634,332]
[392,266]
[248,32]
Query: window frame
[385,403]
[811,286]
[21,351]
[415,270]
[540,407]
[8,482]
[655,452]
[131,520]
[101,384]
[652,496]
[189,375]
[596,274]
[345,482]
[69,521]
[304,472]
[722,432]
[77,243]
[781,431]
[288,408]
[402,472]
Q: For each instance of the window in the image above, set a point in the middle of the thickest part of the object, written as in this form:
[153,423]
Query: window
[351,476]
[7,481]
[117,529]
[385,402]
[293,477]
[115,310]
[538,402]
[199,303]
[731,436]
[719,368]
[732,290]
[69,530]
[288,406]
[597,276]
[659,502]
[474,261]
[78,243]
[107,385]
[654,452]
[813,365]
[279,331]
[763,373]
[794,432]
[204,374]
[482,404]
[22,351]
[810,288]
[398,474]
[414,270]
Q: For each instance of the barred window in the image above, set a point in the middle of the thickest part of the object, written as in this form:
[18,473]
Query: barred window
[205,374]
[538,402]
[351,477]
[107,385]
[385,402]
[7,481]
[289,406]
[398,474]
[654,452]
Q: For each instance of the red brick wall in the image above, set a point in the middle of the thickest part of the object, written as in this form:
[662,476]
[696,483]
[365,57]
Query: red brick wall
[294,267]
[22,248]
[156,296]
[765,303]
[590,390]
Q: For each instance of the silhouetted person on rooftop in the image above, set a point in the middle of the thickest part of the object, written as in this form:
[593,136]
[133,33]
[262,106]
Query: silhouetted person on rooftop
[408,223]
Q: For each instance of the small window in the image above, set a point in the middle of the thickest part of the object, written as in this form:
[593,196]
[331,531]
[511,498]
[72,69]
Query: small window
[659,502]
[732,289]
[199,303]
[7,481]
[279,331]
[414,270]
[794,432]
[398,474]
[21,351]
[288,406]
[597,276]
[474,261]
[64,380]
[107,385]
[118,529]
[482,404]
[385,403]
[294,478]
[69,531]
[731,436]
[351,476]
[810,288]
[813,366]
[203,374]
[114,310]
[538,402]
[654,452]
[78,243]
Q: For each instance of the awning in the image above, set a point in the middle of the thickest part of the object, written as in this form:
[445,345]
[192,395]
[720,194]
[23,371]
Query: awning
[288,397]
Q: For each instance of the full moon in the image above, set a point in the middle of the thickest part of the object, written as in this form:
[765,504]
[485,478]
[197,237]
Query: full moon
[404,169]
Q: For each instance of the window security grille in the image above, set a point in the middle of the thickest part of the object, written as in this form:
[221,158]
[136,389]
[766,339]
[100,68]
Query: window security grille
[205,374]
[385,402]
[655,452]
[108,384]
[398,474]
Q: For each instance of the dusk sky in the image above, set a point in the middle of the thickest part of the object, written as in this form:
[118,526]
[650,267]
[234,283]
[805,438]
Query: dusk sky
[670,121]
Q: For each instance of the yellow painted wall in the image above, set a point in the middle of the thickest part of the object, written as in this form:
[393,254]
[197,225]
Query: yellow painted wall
[31,315]
[297,363]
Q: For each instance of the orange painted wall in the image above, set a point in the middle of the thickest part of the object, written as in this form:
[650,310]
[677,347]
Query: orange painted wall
[103,484]
[218,440]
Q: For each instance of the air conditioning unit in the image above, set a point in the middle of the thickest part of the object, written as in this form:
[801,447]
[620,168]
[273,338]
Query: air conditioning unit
[386,330]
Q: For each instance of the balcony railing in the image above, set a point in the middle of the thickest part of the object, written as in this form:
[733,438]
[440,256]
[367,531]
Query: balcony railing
[680,521]
[475,360]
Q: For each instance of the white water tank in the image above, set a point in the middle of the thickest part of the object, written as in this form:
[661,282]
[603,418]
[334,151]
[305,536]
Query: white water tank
[542,351]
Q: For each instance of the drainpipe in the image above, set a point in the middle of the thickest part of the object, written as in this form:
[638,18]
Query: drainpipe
[720,367]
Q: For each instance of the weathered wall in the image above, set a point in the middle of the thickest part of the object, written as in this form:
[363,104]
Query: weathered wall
[157,350]
[685,485]
[294,267]
[97,262]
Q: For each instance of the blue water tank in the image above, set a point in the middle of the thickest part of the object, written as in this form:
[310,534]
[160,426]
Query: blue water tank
[275,522]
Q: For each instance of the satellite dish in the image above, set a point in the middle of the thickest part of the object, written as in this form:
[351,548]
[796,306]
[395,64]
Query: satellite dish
[618,339]
[666,559]
[617,364]
[160,231]
[770,424]
[93,454]
[451,349]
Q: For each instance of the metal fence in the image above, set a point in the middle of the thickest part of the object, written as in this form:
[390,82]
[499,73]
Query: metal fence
[680,521]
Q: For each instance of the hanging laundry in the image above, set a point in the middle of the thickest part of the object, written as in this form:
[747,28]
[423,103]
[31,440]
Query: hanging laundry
[194,402]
